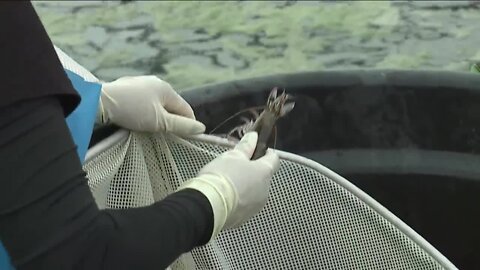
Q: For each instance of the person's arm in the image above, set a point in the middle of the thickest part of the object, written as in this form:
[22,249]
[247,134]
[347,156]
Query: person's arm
[48,217]
[46,208]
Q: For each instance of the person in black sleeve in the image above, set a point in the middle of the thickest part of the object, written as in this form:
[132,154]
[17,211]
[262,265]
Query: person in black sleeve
[48,217]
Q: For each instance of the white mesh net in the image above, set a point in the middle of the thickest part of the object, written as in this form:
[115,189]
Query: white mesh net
[72,65]
[313,219]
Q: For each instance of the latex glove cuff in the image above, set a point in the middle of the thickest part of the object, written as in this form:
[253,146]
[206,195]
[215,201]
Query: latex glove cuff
[221,195]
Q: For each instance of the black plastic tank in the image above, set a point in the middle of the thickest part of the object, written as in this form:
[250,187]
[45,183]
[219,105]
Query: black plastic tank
[410,139]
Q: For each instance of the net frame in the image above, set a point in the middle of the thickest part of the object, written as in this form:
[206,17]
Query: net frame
[207,256]
[117,145]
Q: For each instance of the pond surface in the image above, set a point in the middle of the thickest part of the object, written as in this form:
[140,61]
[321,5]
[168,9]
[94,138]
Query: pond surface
[195,43]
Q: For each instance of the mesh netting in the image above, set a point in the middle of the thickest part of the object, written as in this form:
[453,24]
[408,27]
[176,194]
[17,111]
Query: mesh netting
[72,65]
[312,220]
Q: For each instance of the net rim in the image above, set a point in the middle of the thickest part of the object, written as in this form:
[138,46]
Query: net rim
[122,135]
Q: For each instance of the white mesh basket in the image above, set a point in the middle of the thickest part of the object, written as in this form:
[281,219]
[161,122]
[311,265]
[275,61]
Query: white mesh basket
[314,218]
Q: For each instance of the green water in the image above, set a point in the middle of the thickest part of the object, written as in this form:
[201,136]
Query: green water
[192,43]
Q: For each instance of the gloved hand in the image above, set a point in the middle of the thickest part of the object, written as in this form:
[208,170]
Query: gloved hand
[236,186]
[146,103]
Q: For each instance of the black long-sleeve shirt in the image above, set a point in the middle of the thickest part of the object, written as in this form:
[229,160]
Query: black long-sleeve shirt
[48,217]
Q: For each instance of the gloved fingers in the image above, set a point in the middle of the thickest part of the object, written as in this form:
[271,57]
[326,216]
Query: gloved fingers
[271,160]
[247,144]
[247,212]
[174,103]
[182,126]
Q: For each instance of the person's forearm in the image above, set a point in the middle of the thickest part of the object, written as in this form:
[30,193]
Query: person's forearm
[48,217]
[160,233]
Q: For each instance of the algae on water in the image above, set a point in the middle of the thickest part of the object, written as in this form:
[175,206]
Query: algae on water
[190,43]
[399,61]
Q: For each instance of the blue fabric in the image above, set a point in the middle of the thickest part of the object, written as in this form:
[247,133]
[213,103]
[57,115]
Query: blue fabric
[80,122]
[4,259]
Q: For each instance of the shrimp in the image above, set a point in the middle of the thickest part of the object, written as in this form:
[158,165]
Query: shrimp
[276,108]
[263,123]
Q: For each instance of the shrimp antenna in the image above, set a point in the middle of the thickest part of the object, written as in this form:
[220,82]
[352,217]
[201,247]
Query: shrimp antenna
[274,136]
[237,113]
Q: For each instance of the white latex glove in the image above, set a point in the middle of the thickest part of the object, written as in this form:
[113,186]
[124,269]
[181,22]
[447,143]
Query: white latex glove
[146,103]
[236,186]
